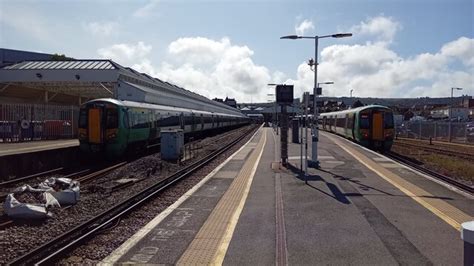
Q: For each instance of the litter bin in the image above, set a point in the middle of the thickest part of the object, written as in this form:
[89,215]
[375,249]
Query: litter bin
[295,126]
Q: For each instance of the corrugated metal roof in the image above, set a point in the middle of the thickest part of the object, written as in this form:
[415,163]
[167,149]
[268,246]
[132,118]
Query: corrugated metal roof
[72,64]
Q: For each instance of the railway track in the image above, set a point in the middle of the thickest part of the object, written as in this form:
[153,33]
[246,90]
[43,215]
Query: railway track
[21,179]
[406,161]
[459,154]
[49,252]
[437,141]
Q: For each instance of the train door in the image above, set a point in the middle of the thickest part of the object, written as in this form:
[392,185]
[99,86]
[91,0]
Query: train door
[377,126]
[94,125]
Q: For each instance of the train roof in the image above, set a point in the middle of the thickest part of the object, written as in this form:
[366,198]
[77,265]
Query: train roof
[125,103]
[355,110]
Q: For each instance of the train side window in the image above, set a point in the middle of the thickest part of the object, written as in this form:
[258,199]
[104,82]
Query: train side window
[364,122]
[83,118]
[388,120]
[350,121]
[126,120]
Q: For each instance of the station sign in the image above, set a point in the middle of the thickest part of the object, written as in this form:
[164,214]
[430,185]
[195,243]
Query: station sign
[284,94]
[319,91]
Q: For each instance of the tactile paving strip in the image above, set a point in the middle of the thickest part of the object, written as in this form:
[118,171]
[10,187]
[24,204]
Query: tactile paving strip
[208,240]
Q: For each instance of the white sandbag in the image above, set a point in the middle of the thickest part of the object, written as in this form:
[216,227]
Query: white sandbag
[65,190]
[17,210]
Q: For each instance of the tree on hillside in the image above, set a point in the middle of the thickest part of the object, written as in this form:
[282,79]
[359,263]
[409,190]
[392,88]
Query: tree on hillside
[60,57]
[357,104]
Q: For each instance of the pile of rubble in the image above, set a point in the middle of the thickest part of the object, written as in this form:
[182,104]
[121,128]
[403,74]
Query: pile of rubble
[33,202]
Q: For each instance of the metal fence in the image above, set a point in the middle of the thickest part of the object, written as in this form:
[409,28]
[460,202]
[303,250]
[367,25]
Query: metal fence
[28,122]
[460,132]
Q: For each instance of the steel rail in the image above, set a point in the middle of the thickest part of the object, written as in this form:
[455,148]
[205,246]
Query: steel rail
[49,252]
[437,141]
[465,155]
[16,180]
[429,172]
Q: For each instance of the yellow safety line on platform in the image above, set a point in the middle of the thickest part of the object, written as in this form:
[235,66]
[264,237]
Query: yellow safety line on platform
[212,241]
[448,213]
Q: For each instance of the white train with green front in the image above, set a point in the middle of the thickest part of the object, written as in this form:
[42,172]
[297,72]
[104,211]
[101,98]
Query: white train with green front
[114,126]
[371,126]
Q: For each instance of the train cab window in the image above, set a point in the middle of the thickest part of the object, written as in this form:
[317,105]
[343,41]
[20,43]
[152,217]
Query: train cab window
[388,120]
[83,118]
[112,118]
[364,121]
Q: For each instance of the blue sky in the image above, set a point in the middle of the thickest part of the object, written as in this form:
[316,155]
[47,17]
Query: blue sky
[232,48]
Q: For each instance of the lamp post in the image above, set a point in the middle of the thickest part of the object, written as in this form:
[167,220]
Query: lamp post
[325,83]
[315,134]
[450,112]
[452,89]
[351,92]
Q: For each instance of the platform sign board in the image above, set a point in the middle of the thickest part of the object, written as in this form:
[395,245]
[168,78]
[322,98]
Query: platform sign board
[284,94]
[319,91]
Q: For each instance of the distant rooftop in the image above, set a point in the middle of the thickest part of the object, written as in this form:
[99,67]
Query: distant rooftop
[11,56]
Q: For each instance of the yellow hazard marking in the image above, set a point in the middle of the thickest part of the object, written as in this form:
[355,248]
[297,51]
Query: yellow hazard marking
[212,241]
[448,213]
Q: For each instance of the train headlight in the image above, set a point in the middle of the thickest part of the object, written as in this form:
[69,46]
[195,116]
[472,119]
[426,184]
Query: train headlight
[111,134]
[389,133]
[82,134]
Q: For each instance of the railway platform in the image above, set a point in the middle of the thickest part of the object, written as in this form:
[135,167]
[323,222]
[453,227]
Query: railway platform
[36,146]
[358,208]
[25,158]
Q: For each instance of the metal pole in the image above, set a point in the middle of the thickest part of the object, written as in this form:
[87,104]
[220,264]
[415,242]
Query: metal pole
[301,141]
[419,130]
[306,137]
[465,133]
[315,133]
[276,117]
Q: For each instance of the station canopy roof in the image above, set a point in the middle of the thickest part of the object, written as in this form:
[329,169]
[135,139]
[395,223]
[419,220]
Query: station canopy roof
[83,78]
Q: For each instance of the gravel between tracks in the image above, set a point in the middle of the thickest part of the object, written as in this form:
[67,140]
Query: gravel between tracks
[97,195]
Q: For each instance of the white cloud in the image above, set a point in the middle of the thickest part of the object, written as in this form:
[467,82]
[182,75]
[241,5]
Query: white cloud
[219,68]
[104,28]
[462,48]
[374,70]
[146,10]
[304,26]
[380,27]
[126,54]
[213,68]
[198,50]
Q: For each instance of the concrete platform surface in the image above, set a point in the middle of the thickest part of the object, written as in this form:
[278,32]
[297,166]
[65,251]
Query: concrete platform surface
[358,208]
[35,146]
